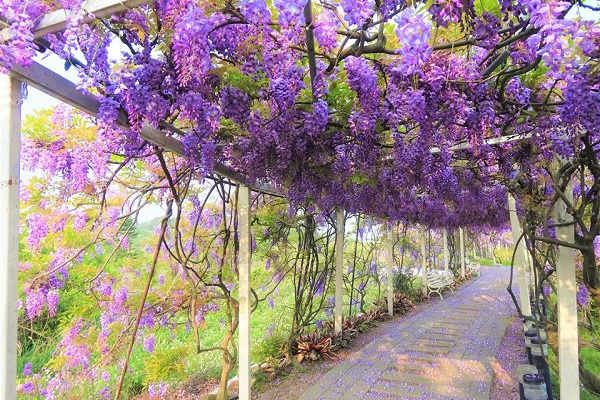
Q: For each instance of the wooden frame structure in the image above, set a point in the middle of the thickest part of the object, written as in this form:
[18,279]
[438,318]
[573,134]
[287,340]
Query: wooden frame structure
[62,89]
[340,227]
[568,342]
[519,257]
[424,256]
[10,142]
[445,241]
[390,268]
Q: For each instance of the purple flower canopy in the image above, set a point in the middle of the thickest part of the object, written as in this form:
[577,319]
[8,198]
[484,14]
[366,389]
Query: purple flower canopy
[370,107]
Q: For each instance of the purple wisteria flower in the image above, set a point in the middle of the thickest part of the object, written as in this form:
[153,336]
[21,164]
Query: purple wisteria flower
[357,12]
[156,390]
[373,269]
[290,11]
[28,387]
[26,369]
[149,343]
[255,11]
[38,230]
[52,302]
[125,242]
[413,32]
[546,290]
[583,295]
[34,303]
[269,331]
[326,26]
[104,393]
[79,221]
[278,277]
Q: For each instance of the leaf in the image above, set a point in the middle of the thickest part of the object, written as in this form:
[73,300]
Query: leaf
[491,6]
[217,71]
[300,357]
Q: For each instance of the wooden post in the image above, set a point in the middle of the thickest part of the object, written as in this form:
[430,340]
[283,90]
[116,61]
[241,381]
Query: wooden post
[519,258]
[462,252]
[390,266]
[339,269]
[10,142]
[445,236]
[423,258]
[568,359]
[244,266]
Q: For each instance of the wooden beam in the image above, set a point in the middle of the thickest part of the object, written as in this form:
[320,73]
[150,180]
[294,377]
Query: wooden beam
[56,21]
[423,258]
[445,239]
[519,258]
[462,252]
[390,270]
[10,142]
[568,346]
[62,89]
[490,142]
[339,269]
[244,267]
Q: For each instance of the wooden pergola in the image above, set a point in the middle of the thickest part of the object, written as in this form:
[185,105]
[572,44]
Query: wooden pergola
[64,90]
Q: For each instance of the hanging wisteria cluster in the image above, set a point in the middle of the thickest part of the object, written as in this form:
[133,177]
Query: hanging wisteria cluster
[392,82]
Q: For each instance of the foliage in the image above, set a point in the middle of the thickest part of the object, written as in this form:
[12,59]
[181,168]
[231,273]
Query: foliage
[402,302]
[404,284]
[310,349]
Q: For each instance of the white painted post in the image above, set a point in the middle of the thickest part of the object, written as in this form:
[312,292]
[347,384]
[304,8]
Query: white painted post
[339,269]
[390,266]
[462,252]
[244,266]
[568,359]
[519,258]
[423,258]
[445,235]
[10,142]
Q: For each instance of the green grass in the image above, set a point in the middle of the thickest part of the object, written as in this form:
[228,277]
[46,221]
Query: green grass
[38,355]
[486,262]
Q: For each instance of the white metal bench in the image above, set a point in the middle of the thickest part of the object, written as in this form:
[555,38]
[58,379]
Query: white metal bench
[474,267]
[438,281]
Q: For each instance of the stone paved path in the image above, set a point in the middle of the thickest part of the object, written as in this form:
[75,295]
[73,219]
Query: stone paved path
[444,352]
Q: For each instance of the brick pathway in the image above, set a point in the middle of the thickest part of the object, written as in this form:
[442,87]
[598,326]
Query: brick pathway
[444,352]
